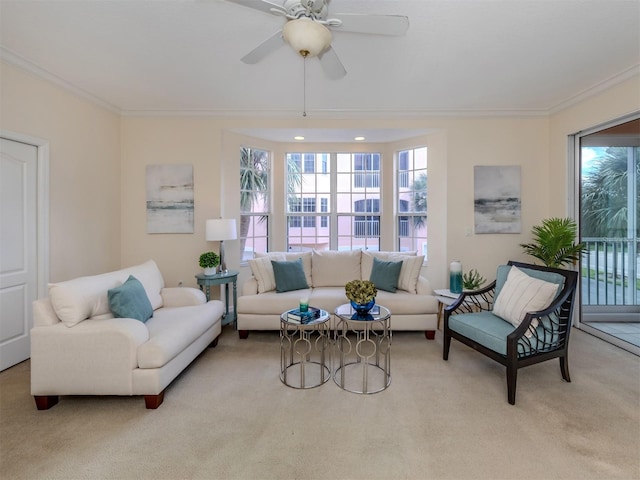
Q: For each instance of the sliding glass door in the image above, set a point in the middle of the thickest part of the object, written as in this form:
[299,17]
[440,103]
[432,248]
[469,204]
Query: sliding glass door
[609,219]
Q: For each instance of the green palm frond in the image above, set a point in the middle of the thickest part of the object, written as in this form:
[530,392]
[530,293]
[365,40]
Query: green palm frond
[554,242]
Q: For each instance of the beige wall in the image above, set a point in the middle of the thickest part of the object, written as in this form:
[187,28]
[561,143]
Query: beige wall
[98,161]
[454,149]
[611,104]
[169,141]
[84,165]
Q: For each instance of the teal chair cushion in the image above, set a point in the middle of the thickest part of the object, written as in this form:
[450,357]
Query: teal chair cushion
[484,328]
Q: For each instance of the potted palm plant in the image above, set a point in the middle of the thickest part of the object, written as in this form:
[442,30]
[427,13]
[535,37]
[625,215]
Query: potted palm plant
[554,242]
[209,261]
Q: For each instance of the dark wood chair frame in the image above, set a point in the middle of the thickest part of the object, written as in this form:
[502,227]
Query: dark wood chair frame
[550,341]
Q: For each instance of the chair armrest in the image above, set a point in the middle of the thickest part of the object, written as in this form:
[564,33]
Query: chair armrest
[182,297]
[552,327]
[474,301]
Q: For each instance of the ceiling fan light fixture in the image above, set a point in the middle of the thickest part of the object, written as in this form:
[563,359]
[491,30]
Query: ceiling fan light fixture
[307,37]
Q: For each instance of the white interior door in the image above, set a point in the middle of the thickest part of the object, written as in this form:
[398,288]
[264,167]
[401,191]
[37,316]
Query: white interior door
[18,252]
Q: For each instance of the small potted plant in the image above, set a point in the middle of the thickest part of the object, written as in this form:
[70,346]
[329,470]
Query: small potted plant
[472,280]
[362,294]
[209,261]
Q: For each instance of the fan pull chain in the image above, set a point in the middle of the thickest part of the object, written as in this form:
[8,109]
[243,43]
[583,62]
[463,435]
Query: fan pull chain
[304,86]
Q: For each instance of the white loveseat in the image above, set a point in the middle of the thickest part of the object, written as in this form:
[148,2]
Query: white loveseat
[413,306]
[79,348]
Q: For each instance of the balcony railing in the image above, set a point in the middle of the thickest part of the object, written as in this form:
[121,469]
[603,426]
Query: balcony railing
[367,228]
[611,271]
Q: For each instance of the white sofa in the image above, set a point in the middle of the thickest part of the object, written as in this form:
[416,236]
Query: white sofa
[413,306]
[79,348]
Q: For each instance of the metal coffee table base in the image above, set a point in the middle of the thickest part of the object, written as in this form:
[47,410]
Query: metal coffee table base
[305,355]
[364,356]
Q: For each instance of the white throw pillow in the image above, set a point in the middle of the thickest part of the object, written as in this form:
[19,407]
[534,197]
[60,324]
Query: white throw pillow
[409,273]
[521,294]
[366,263]
[85,297]
[280,256]
[262,270]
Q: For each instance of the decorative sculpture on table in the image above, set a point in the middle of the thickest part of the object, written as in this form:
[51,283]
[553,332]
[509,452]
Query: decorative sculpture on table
[362,295]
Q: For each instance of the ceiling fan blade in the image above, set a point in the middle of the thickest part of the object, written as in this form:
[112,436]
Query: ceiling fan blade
[373,24]
[331,64]
[262,5]
[271,44]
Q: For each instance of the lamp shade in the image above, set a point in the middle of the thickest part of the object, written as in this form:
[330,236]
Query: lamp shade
[221,229]
[307,37]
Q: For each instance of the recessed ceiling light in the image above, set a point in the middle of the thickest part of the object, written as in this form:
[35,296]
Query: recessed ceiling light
[359,139]
[298,137]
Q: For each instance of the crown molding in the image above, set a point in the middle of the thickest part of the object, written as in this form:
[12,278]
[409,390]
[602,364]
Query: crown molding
[336,113]
[597,88]
[21,62]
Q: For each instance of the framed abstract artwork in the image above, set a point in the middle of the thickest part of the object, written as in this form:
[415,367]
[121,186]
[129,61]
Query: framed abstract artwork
[169,198]
[496,199]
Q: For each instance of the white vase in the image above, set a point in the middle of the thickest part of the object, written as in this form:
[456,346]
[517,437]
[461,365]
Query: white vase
[210,271]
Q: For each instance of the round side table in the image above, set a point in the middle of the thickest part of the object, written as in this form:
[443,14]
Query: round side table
[364,347]
[305,352]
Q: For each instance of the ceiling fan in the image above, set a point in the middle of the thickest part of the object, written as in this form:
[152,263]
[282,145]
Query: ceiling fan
[308,30]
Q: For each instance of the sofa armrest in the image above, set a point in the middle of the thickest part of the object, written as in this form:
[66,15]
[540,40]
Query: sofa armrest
[94,357]
[43,313]
[423,286]
[182,297]
[250,286]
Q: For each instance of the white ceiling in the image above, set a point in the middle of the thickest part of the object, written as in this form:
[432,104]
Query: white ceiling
[459,57]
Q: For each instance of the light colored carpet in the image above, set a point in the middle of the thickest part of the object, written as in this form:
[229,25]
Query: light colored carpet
[228,416]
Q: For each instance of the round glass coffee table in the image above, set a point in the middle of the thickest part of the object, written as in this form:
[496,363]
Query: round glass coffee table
[305,351]
[364,347]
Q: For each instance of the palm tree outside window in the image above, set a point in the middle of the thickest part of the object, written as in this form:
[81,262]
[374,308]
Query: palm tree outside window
[411,188]
[255,201]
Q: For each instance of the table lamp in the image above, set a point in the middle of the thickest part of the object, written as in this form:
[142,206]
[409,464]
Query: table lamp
[219,230]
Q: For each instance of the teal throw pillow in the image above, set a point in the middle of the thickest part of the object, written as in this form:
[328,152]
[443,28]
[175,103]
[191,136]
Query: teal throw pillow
[289,275]
[130,300]
[385,274]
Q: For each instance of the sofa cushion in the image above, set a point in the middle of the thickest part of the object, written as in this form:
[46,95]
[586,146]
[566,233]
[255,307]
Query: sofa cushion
[130,300]
[84,297]
[273,303]
[522,293]
[405,303]
[385,275]
[333,268]
[172,330]
[328,298]
[289,275]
